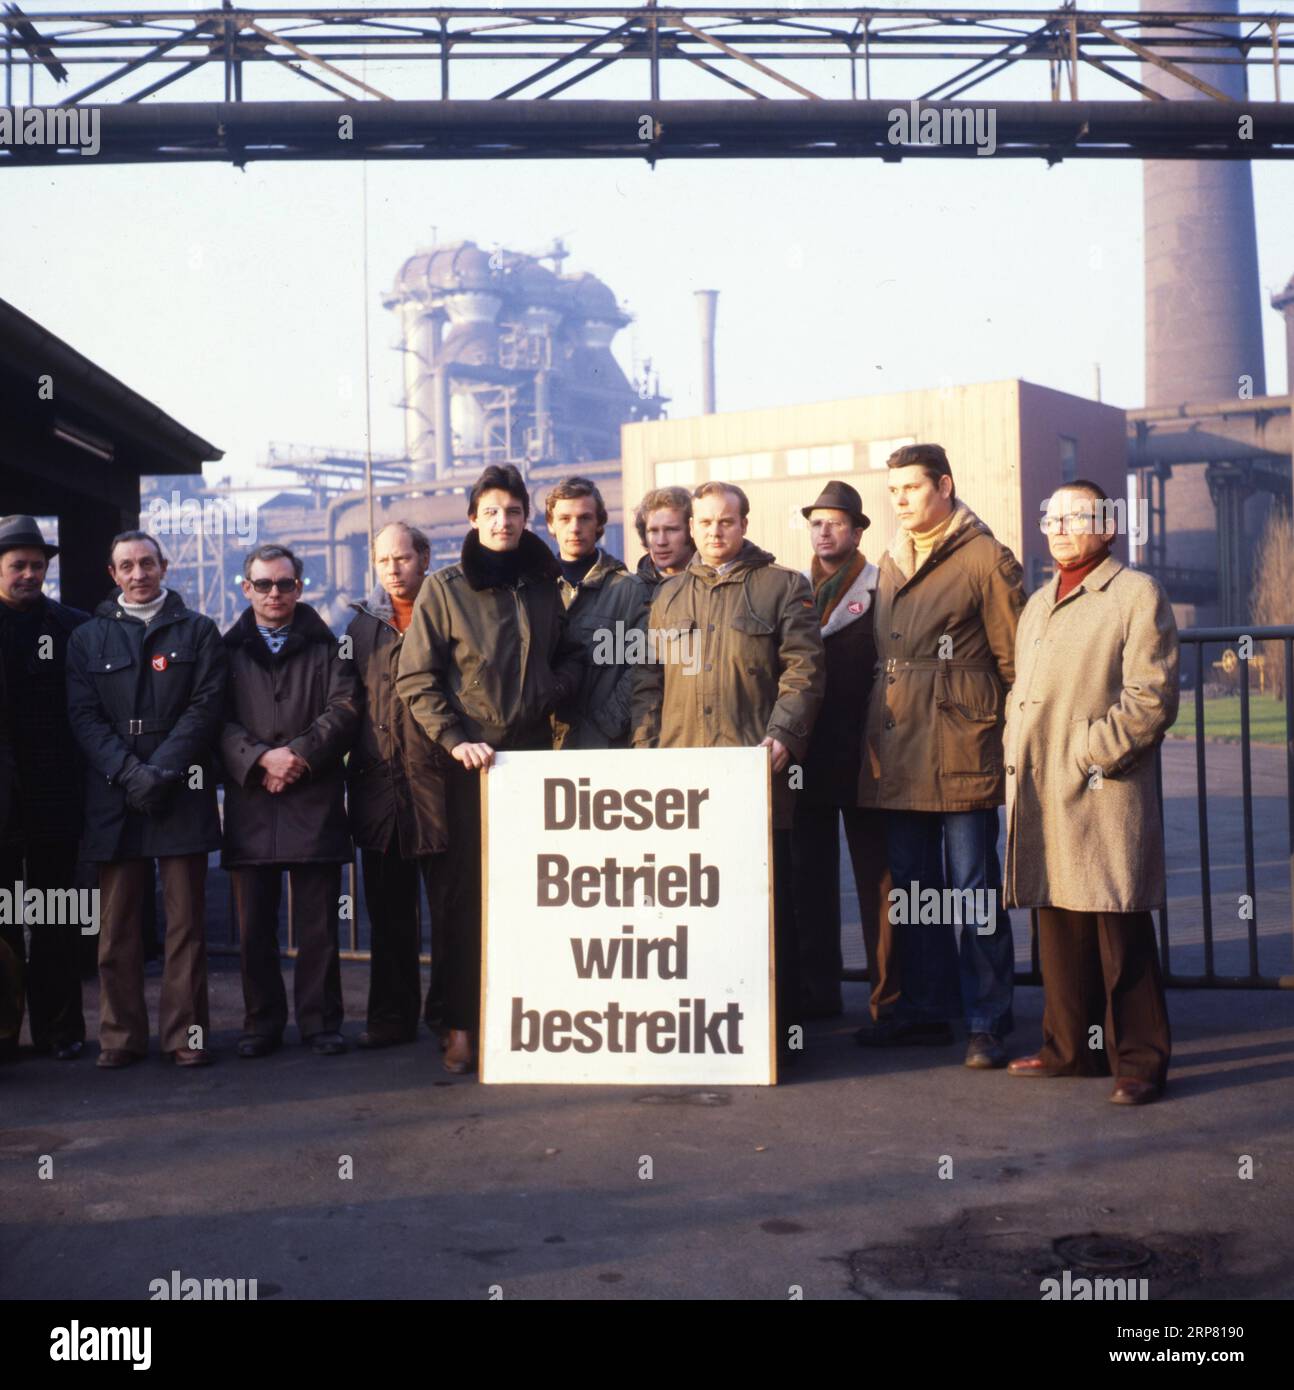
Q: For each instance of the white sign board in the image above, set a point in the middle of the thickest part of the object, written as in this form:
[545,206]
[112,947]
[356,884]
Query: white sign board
[627,918]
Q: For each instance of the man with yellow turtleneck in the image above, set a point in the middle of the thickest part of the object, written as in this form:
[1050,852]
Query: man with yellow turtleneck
[948,599]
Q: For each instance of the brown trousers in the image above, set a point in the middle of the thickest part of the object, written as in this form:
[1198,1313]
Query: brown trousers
[124,889]
[1102,968]
[815,851]
[316,982]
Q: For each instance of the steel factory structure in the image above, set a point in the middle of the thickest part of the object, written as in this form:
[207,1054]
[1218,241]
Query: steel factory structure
[508,359]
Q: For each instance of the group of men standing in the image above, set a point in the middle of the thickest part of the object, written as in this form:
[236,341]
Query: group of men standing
[881,691]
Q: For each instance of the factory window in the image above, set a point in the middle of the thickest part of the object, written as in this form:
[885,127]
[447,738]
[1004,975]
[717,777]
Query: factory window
[737,468]
[1068,459]
[821,458]
[879,450]
[676,473]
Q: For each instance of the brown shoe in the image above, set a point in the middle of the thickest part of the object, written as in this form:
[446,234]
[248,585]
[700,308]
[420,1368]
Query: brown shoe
[1029,1066]
[191,1057]
[116,1057]
[459,1055]
[1129,1091]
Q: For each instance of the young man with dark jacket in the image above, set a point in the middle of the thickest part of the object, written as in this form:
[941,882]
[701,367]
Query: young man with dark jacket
[396,797]
[292,712]
[603,603]
[663,520]
[486,661]
[145,691]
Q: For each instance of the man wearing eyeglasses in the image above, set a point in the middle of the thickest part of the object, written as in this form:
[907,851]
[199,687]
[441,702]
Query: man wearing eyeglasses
[1095,690]
[293,709]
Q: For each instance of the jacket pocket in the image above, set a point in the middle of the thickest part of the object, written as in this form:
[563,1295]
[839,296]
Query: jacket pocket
[755,626]
[966,714]
[475,694]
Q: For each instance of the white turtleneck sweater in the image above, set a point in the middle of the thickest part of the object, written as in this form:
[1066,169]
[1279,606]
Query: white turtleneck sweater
[145,612]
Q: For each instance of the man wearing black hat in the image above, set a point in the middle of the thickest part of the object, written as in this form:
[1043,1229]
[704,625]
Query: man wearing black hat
[843,583]
[38,836]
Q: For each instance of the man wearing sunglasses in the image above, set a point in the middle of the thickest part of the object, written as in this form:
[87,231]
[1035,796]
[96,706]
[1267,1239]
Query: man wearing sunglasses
[1095,691]
[292,713]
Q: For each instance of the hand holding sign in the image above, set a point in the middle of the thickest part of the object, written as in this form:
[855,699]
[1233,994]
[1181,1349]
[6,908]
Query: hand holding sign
[781,753]
[473,754]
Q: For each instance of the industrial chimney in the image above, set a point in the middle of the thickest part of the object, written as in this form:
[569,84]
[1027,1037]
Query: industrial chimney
[1203,303]
[706,305]
[1284,304]
[1202,300]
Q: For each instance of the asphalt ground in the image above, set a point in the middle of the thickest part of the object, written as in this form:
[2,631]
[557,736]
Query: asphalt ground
[892,1175]
[864,1175]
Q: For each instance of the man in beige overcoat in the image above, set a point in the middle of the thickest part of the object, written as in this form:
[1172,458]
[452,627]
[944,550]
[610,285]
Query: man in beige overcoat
[1095,690]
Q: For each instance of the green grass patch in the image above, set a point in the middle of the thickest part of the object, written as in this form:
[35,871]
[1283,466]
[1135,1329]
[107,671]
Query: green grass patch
[1222,719]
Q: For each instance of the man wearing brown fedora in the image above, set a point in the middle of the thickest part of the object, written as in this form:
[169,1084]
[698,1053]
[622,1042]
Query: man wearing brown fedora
[844,585]
[38,835]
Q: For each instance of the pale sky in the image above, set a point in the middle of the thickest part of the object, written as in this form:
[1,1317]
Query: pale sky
[234,299]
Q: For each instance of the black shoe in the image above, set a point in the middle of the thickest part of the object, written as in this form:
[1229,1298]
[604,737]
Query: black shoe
[327,1044]
[70,1051]
[258,1045]
[888,1033]
[985,1052]
[384,1037]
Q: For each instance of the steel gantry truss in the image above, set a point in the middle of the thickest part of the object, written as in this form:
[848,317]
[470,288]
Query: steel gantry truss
[440,92]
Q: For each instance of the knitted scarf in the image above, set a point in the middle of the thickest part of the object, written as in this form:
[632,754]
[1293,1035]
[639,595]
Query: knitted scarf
[829,589]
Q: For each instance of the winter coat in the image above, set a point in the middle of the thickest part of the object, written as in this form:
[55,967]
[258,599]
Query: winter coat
[157,692]
[601,610]
[395,776]
[849,647]
[758,664]
[488,663]
[945,647]
[1095,691]
[47,767]
[305,697]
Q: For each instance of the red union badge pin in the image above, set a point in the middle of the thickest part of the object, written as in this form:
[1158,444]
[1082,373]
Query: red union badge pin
[856,606]
[160,662]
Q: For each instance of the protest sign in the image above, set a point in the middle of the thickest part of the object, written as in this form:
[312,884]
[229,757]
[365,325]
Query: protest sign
[627,925]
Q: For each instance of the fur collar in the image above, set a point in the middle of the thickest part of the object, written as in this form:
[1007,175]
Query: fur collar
[537,562]
[963,524]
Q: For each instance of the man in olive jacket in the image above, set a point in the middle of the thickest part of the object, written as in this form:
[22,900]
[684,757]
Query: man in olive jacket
[1095,691]
[145,692]
[292,713]
[604,603]
[486,661]
[756,679]
[395,781]
[947,603]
